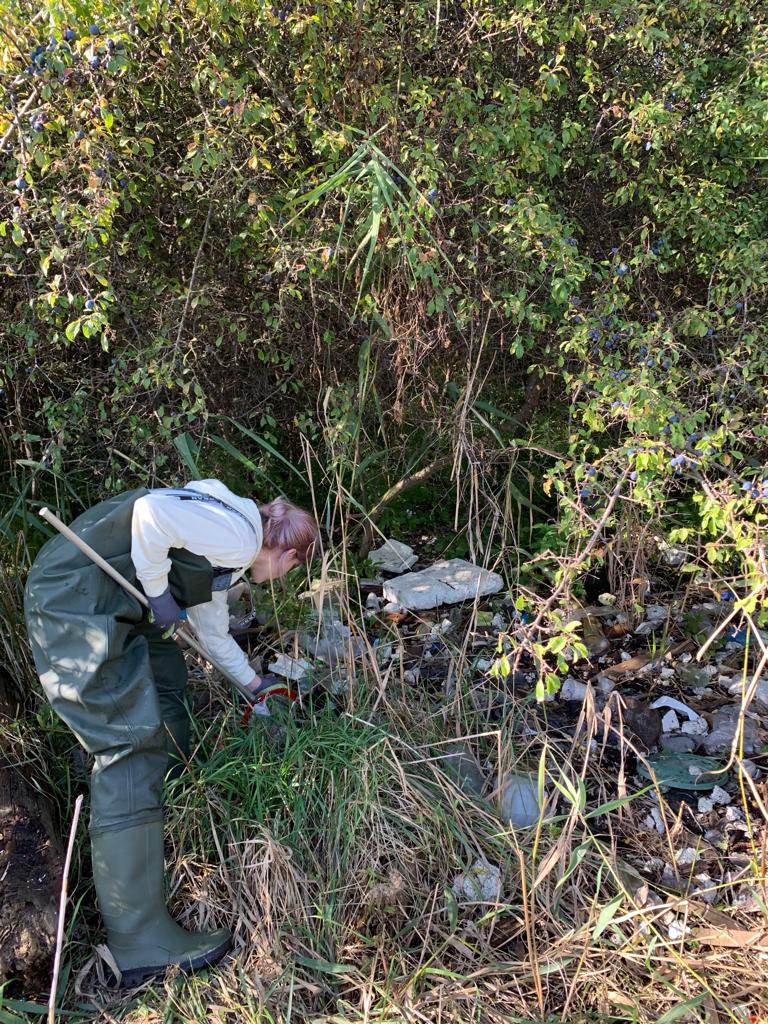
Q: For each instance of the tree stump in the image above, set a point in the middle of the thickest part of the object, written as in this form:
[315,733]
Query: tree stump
[31,860]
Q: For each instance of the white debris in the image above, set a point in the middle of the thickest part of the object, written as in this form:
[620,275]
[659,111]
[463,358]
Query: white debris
[446,582]
[572,689]
[393,556]
[625,656]
[677,930]
[373,602]
[290,668]
[654,820]
[482,883]
[672,702]
[720,796]
[670,722]
[687,856]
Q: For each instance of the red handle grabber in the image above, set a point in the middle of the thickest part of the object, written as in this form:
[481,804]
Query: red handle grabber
[273,688]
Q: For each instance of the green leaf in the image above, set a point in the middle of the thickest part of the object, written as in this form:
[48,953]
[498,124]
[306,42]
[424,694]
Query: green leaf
[607,914]
[72,330]
[681,1010]
[187,449]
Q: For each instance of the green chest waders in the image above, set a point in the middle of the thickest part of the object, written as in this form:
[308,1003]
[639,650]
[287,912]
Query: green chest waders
[120,687]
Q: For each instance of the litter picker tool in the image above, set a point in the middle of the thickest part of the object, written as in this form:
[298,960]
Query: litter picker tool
[253,700]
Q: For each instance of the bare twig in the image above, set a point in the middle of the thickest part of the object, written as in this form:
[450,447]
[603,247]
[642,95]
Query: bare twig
[62,909]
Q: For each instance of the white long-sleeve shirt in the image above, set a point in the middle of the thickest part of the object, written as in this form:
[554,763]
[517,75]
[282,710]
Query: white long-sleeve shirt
[225,538]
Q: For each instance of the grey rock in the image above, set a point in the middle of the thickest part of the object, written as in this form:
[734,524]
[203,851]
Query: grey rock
[482,883]
[679,744]
[393,556]
[724,725]
[461,764]
[446,582]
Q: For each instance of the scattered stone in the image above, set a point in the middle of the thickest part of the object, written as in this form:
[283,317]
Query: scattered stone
[643,721]
[609,600]
[724,726]
[593,637]
[520,801]
[483,664]
[656,612]
[705,887]
[462,765]
[679,744]
[751,769]
[670,722]
[572,689]
[720,796]
[446,582]
[604,685]
[666,672]
[687,856]
[697,727]
[499,622]
[289,668]
[411,676]
[393,556]
[706,805]
[373,602]
[482,883]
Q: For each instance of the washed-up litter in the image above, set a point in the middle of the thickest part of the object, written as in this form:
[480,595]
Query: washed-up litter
[290,668]
[683,771]
[446,582]
[520,801]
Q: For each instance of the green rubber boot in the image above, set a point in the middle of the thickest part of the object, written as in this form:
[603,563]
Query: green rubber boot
[177,733]
[128,872]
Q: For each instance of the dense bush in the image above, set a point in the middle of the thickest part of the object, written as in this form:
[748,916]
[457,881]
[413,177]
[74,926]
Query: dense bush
[396,234]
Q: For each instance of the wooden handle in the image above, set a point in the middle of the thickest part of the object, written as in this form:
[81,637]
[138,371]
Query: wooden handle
[103,564]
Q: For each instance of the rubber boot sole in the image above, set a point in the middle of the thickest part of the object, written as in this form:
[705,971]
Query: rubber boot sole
[133,977]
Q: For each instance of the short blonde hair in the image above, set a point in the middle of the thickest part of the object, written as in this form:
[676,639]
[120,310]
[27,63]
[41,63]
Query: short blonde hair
[287,526]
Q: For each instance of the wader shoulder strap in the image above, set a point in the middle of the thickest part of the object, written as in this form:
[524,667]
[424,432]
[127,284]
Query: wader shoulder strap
[184,495]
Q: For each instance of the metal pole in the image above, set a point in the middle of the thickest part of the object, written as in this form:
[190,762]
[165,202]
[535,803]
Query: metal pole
[141,598]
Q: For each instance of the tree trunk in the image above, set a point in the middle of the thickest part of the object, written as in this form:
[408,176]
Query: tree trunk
[31,860]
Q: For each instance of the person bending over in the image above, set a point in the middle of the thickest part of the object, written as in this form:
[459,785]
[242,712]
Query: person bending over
[118,680]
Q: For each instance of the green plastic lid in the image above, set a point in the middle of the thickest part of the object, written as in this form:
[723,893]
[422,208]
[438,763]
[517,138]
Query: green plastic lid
[675,771]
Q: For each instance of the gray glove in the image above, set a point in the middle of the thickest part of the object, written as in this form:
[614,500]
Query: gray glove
[165,612]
